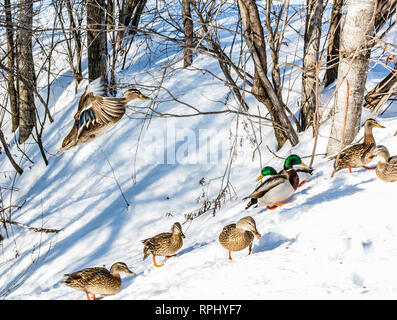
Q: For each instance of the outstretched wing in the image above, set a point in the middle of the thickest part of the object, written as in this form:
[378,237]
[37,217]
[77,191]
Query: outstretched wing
[270,183]
[99,110]
[97,87]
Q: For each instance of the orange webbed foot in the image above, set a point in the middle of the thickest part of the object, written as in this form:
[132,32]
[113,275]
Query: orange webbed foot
[155,264]
[302,183]
[369,168]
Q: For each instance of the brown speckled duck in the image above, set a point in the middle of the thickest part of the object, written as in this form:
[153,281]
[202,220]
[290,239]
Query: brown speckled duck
[96,113]
[386,169]
[360,154]
[164,244]
[240,235]
[98,280]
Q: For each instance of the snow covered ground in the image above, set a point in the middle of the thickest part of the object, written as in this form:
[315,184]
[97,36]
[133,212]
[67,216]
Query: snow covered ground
[336,240]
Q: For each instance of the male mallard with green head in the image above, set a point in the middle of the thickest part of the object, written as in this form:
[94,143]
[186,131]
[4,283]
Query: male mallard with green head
[278,188]
[359,154]
[304,172]
[96,113]
[266,171]
[165,244]
[98,280]
[240,235]
[386,169]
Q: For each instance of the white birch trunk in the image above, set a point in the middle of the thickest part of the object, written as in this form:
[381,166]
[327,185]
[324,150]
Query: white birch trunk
[354,55]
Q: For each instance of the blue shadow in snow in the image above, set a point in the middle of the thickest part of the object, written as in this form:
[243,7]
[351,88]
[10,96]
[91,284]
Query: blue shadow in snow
[191,248]
[271,241]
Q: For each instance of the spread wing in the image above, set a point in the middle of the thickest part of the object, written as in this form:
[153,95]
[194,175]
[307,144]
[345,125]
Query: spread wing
[97,87]
[270,183]
[100,110]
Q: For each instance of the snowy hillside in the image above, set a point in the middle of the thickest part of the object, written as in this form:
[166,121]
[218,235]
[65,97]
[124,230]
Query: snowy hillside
[336,240]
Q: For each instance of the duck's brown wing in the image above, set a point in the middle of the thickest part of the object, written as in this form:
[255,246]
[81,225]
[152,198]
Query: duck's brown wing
[84,276]
[393,160]
[101,110]
[153,244]
[94,88]
[270,183]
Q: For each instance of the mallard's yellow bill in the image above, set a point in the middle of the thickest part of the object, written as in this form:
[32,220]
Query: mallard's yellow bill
[260,177]
[303,165]
[380,126]
[143,97]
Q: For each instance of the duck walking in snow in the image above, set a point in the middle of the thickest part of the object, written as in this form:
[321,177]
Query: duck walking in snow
[165,244]
[98,280]
[240,235]
[360,154]
[96,113]
[386,169]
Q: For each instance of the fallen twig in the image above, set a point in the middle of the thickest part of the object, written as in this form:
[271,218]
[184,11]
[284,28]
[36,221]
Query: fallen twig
[45,230]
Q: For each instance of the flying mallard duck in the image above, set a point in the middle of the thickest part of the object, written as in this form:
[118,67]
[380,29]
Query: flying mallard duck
[279,187]
[96,113]
[98,280]
[164,244]
[386,169]
[240,235]
[360,154]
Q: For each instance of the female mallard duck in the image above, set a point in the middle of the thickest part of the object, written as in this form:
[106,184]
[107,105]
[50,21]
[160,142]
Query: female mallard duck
[278,187]
[164,244]
[96,113]
[240,235]
[360,154]
[98,280]
[304,173]
[386,169]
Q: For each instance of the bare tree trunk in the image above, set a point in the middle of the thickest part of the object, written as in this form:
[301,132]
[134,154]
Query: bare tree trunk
[111,27]
[125,15]
[333,43]
[78,71]
[378,96]
[386,9]
[314,13]
[188,29]
[353,67]
[26,70]
[11,65]
[133,26]
[96,39]
[262,89]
